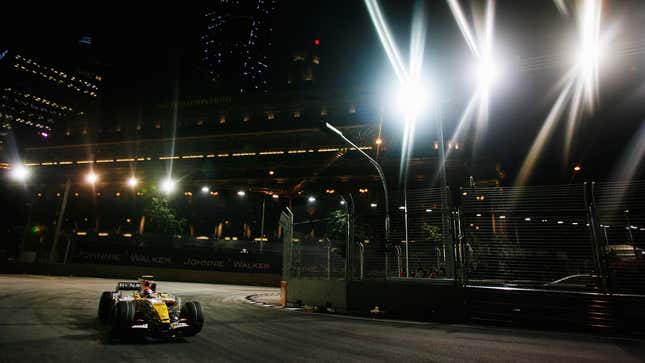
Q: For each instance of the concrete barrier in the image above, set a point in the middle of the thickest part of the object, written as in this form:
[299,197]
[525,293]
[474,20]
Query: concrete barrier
[413,299]
[419,299]
[131,272]
[321,293]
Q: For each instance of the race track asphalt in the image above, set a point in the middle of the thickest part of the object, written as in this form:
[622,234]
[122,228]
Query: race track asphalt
[54,319]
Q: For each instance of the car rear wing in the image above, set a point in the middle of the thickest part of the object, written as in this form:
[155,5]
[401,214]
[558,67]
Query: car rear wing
[128,285]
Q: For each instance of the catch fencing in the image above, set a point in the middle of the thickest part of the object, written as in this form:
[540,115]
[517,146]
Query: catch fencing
[576,237]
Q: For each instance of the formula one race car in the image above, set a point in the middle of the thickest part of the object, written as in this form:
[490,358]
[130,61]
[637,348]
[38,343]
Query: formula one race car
[136,309]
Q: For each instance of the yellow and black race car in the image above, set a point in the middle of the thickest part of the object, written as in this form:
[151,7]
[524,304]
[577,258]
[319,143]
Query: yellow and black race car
[135,308]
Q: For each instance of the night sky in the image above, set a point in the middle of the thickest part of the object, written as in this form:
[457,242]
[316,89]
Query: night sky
[147,48]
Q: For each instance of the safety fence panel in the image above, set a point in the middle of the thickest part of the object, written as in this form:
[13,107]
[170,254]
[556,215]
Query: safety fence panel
[620,210]
[318,248]
[428,250]
[535,237]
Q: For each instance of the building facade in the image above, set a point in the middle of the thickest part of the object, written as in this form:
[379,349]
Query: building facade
[38,96]
[265,147]
[303,66]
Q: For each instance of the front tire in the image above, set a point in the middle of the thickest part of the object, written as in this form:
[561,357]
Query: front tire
[122,317]
[105,305]
[193,311]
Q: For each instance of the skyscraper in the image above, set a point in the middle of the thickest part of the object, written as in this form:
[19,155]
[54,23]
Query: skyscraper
[236,44]
[35,94]
[303,65]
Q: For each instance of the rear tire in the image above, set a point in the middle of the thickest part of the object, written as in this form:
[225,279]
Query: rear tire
[122,317]
[192,311]
[105,305]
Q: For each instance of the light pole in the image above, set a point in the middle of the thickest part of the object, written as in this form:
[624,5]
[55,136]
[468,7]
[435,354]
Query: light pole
[438,114]
[263,239]
[59,223]
[380,172]
[411,101]
[442,151]
[20,174]
[348,204]
[262,222]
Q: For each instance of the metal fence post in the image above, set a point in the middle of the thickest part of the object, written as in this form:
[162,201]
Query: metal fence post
[362,252]
[397,249]
[328,259]
[458,243]
[598,245]
[286,220]
[387,265]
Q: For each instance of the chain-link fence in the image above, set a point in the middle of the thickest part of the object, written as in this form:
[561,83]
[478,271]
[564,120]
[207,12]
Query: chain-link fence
[315,246]
[421,235]
[527,236]
[588,237]
[620,209]
[420,240]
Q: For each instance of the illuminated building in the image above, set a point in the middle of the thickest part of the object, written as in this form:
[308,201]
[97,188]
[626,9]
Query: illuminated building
[236,44]
[36,95]
[303,65]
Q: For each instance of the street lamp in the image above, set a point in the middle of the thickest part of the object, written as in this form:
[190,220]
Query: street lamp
[91,178]
[241,193]
[168,185]
[311,199]
[20,173]
[411,99]
[262,238]
[132,182]
[380,172]
[205,189]
[487,73]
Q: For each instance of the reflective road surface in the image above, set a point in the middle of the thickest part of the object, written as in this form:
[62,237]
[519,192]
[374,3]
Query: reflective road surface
[54,319]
